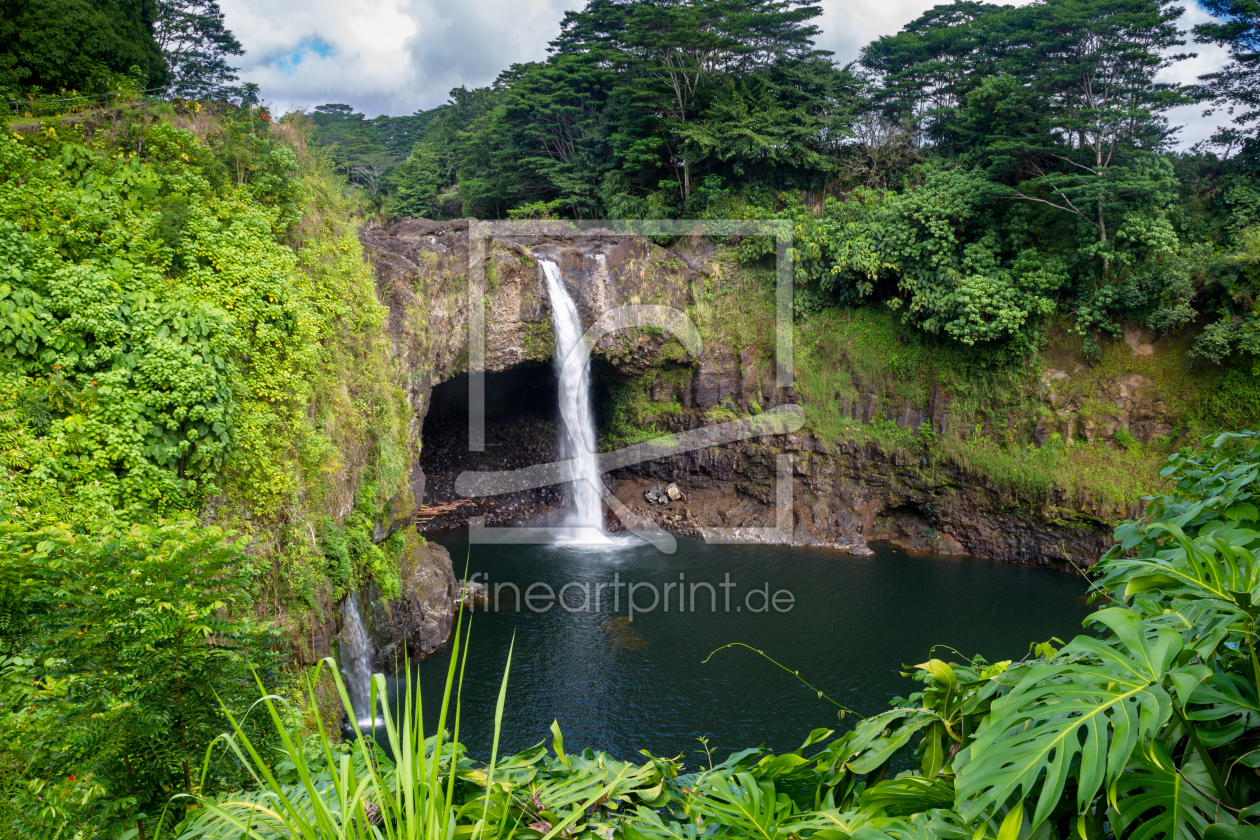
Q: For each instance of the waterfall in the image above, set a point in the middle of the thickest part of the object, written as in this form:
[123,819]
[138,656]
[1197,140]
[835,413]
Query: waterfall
[577,437]
[356,659]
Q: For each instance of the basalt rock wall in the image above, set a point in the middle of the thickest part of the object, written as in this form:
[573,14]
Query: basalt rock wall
[844,494]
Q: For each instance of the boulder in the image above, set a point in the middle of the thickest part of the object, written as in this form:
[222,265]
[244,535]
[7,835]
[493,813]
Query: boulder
[419,620]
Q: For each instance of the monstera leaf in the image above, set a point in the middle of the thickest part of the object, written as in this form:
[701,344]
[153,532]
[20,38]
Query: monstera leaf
[1218,566]
[746,806]
[1229,704]
[877,738]
[647,824]
[1223,831]
[1094,703]
[1161,802]
[932,825]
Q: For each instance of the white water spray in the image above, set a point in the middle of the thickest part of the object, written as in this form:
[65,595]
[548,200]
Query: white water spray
[577,437]
[356,660]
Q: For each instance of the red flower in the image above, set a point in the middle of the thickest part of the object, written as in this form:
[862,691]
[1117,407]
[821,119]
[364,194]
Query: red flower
[265,117]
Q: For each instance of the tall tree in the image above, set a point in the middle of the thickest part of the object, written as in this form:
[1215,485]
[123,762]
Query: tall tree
[195,44]
[771,126]
[1237,84]
[928,67]
[544,141]
[74,45]
[1085,71]
[668,54]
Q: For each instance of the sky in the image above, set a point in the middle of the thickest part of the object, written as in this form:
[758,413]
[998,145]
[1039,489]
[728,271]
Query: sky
[398,56]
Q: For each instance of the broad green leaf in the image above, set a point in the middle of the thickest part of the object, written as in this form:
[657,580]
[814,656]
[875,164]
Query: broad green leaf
[908,795]
[1228,704]
[1012,823]
[879,737]
[1226,831]
[1156,800]
[1094,703]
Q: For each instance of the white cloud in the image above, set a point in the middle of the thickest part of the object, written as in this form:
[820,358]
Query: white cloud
[397,56]
[364,65]
[386,56]
[1208,57]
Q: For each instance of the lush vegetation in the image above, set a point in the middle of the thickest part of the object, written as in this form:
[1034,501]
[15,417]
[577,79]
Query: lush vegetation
[77,45]
[1147,727]
[200,431]
[190,337]
[58,49]
[965,172]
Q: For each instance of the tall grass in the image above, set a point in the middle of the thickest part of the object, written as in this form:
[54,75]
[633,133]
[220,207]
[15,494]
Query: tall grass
[342,793]
[400,782]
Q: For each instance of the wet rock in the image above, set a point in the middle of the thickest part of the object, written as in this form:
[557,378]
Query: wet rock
[716,377]
[847,495]
[418,622]
[472,593]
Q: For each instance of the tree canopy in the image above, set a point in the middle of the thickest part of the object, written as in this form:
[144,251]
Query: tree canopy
[195,43]
[75,45]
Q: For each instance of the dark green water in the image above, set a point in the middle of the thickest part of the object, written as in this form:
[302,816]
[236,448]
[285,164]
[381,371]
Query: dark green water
[622,686]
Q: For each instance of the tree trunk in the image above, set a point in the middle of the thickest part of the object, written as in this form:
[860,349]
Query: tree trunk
[1102,238]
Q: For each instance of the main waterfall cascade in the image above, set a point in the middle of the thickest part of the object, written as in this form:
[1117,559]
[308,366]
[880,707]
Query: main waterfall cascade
[356,659]
[577,437]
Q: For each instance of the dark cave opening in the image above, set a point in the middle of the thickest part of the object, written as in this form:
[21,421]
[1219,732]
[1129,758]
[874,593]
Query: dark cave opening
[525,391]
[521,427]
[522,424]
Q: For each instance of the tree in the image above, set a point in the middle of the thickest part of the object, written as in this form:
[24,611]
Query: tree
[928,68]
[144,641]
[667,55]
[371,173]
[1237,84]
[545,139]
[417,184]
[780,125]
[75,45]
[195,44]
[1084,70]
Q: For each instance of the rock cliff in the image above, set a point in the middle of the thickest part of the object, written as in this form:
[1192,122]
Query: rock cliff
[845,491]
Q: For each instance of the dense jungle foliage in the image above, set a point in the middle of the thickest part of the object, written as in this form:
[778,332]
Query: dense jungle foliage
[191,342]
[984,169]
[1148,726]
[200,430]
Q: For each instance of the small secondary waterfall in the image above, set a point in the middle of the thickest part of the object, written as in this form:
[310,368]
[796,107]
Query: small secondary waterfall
[577,438]
[356,658]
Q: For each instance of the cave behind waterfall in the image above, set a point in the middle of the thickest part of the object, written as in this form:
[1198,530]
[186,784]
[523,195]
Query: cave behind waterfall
[522,424]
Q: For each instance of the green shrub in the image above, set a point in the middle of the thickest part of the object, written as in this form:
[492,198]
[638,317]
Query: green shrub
[144,642]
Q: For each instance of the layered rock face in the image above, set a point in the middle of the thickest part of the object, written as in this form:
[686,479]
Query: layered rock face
[417,623]
[843,494]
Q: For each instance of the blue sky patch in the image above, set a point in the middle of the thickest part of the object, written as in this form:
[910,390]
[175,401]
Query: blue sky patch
[288,62]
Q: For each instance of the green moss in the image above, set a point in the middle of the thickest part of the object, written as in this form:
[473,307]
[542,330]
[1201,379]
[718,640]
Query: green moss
[540,341]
